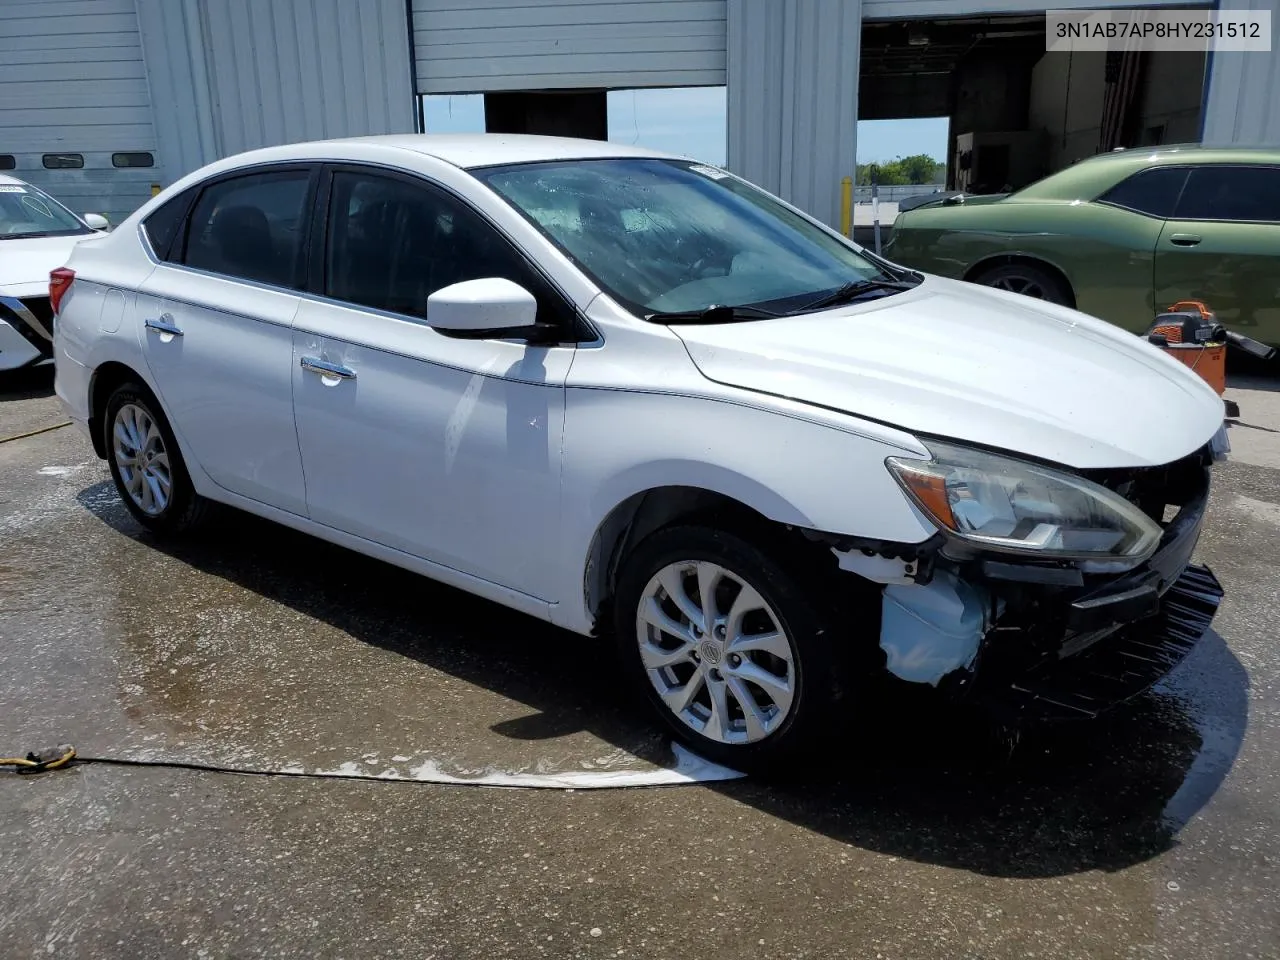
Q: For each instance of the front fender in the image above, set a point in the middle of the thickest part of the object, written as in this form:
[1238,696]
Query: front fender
[698,475]
[790,470]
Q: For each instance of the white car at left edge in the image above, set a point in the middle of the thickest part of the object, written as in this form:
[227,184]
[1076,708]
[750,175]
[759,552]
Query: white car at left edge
[36,237]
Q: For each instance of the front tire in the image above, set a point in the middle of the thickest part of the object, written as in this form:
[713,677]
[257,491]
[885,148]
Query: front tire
[729,649]
[146,463]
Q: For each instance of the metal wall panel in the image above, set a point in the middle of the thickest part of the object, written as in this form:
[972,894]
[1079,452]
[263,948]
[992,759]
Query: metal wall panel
[175,59]
[72,80]
[913,9]
[793,98]
[1243,104]
[295,70]
[476,46]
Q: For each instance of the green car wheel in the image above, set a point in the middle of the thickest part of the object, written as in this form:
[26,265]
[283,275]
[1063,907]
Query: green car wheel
[1028,280]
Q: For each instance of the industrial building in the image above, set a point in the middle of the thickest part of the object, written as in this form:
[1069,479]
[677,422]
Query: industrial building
[103,101]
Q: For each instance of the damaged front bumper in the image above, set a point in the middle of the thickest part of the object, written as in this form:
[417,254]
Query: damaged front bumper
[1092,671]
[1041,640]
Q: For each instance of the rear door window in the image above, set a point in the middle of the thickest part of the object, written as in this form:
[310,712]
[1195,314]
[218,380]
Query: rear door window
[1153,192]
[251,227]
[1233,193]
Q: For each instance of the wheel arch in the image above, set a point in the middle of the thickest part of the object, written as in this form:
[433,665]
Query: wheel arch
[105,380]
[1029,259]
[646,511]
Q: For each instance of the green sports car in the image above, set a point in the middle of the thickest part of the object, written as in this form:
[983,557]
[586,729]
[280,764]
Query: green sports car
[1121,236]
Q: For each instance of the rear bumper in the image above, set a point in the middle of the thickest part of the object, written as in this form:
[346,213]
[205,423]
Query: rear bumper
[72,383]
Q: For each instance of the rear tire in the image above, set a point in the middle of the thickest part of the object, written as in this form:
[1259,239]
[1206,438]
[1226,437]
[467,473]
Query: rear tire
[1027,279]
[759,687]
[147,465]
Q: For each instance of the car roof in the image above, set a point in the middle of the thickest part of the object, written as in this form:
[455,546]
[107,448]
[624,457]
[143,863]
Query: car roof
[488,149]
[1093,176]
[6,179]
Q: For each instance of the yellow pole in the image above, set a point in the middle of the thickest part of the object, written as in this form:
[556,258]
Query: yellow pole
[846,206]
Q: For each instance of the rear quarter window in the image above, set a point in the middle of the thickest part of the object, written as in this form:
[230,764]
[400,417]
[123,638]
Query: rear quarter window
[163,226]
[1153,192]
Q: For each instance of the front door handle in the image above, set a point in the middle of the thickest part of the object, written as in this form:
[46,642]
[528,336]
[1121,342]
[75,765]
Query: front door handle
[327,369]
[164,326]
[1184,239]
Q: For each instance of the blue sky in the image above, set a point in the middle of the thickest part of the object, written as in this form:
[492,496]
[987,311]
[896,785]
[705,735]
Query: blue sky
[883,140]
[691,121]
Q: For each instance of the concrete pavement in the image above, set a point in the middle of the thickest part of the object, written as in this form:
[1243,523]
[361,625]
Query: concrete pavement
[1153,833]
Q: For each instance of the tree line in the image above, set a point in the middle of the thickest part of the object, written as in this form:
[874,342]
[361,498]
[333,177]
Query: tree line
[920,168]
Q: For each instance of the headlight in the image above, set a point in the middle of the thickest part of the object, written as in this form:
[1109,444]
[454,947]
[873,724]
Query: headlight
[1006,504]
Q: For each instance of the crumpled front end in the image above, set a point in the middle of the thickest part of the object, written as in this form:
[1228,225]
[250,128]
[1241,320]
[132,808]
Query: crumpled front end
[1050,639]
[1066,673]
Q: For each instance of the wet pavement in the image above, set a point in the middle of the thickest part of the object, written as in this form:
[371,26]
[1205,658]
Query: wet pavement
[1152,833]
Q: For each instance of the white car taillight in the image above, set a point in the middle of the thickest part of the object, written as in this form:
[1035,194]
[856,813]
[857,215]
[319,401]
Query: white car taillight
[59,283]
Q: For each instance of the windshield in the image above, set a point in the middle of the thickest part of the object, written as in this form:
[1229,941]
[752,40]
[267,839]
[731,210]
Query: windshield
[667,236]
[28,212]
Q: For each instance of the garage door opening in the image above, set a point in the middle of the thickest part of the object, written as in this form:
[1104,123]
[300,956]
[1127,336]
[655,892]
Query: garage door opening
[688,121]
[1016,112]
[902,158]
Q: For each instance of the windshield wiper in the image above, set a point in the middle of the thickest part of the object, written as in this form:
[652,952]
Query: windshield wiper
[38,234]
[716,313]
[852,291]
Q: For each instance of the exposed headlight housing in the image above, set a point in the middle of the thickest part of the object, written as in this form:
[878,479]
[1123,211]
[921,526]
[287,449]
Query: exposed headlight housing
[999,503]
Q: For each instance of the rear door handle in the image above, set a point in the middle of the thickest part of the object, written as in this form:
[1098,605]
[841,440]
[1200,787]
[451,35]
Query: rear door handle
[1184,239]
[327,369]
[164,324]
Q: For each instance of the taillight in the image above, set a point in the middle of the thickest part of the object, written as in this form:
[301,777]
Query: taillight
[59,284]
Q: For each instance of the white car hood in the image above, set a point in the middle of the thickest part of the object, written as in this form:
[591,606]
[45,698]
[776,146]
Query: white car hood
[956,360]
[25,264]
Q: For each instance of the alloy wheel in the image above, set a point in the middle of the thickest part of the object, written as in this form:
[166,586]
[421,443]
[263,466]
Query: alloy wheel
[142,459]
[1023,285]
[715,652]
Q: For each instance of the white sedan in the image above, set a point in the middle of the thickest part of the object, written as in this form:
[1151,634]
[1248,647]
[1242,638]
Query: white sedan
[637,397]
[36,235]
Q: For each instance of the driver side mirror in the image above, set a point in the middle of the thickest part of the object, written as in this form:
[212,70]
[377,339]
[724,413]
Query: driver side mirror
[492,308]
[96,221]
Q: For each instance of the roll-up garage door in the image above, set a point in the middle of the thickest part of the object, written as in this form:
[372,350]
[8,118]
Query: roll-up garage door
[476,46]
[75,112]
